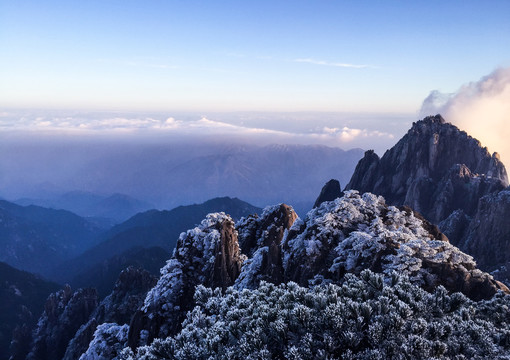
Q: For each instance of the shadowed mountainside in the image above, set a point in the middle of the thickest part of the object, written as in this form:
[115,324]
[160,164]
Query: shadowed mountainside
[33,238]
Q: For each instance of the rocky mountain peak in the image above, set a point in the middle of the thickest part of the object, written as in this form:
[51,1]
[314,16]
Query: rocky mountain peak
[434,119]
[329,192]
[422,167]
[445,174]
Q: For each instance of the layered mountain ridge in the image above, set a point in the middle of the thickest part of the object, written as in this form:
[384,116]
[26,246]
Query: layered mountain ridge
[33,238]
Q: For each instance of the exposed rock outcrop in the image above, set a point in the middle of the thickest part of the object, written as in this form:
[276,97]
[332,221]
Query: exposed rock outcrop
[446,175]
[127,296]
[64,313]
[119,307]
[261,239]
[435,169]
[329,192]
[208,254]
[487,236]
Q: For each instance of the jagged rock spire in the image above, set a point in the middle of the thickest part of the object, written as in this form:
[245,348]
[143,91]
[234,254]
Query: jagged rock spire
[329,192]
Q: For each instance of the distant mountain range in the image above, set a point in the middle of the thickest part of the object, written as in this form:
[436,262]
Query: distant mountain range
[123,244]
[169,175]
[111,209]
[33,238]
[266,175]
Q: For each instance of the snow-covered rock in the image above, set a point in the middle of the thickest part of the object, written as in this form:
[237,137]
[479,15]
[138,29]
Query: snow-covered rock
[260,238]
[358,232]
[208,254]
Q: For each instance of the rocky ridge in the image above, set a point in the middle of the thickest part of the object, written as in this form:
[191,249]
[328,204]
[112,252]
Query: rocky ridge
[452,180]
[119,307]
[344,236]
[64,313]
[329,192]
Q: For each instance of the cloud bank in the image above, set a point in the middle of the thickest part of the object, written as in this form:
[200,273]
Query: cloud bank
[481,108]
[188,128]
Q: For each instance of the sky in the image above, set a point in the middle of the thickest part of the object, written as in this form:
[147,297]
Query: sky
[307,71]
[370,56]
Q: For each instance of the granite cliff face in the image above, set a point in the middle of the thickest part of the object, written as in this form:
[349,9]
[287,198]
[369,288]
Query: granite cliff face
[209,254]
[435,169]
[447,176]
[486,234]
[64,313]
[329,192]
[261,240]
[117,308]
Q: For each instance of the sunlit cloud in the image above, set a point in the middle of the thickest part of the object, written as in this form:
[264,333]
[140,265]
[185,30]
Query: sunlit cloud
[481,108]
[202,126]
[335,64]
[347,134]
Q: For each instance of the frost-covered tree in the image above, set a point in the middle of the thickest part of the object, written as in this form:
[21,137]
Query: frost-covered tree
[109,340]
[358,232]
[368,317]
[325,287]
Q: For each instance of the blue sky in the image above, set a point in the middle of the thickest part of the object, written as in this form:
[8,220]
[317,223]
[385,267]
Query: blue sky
[356,56]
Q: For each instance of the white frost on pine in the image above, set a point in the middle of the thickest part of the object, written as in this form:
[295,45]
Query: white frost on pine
[360,228]
[109,340]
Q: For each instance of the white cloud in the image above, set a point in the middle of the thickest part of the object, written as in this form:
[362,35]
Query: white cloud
[335,64]
[481,108]
[329,130]
[347,134]
[255,128]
